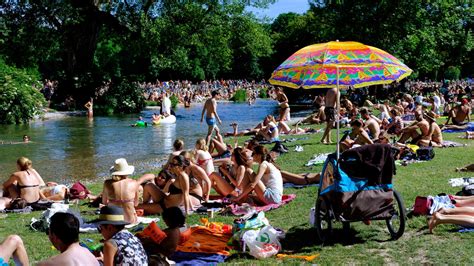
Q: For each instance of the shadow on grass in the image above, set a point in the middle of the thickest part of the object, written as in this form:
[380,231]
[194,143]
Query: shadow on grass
[302,239]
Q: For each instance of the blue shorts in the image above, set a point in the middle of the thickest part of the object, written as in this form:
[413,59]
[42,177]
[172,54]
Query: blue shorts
[211,121]
[271,196]
[275,139]
[2,262]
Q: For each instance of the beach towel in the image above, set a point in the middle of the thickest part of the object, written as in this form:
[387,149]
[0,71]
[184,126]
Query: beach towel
[243,209]
[470,127]
[205,240]
[466,230]
[193,258]
[461,181]
[317,159]
[451,144]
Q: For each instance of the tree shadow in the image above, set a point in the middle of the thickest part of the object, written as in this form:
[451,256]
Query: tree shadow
[300,238]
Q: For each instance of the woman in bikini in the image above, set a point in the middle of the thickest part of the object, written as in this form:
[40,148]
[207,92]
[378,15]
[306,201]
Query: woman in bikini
[270,132]
[204,160]
[25,183]
[122,191]
[179,190]
[267,182]
[284,106]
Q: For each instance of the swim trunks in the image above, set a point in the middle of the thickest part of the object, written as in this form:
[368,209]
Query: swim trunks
[2,262]
[211,121]
[330,113]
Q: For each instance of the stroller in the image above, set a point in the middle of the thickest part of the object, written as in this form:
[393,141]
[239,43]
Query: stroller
[359,188]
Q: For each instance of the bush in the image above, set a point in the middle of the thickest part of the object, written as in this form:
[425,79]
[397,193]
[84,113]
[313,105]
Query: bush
[240,96]
[263,93]
[124,97]
[20,101]
[452,73]
[151,103]
[174,101]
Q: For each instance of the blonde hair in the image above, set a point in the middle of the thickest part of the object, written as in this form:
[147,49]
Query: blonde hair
[24,163]
[118,177]
[187,155]
[201,144]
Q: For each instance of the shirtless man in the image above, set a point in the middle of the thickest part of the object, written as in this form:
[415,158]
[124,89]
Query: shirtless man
[123,191]
[459,114]
[210,108]
[434,132]
[372,127]
[412,131]
[330,112]
[64,235]
[357,136]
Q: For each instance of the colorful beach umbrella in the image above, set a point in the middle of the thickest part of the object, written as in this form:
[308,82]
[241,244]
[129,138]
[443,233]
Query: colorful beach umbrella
[339,64]
[350,63]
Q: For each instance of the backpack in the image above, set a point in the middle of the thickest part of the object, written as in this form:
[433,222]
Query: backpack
[425,153]
[78,191]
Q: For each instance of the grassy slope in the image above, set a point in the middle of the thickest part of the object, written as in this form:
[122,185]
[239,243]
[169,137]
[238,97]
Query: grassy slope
[362,244]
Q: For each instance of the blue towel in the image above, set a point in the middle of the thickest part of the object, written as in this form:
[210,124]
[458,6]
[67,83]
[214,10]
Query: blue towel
[193,258]
[466,230]
[470,127]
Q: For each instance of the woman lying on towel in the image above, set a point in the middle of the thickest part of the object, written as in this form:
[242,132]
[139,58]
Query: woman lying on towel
[267,182]
[179,190]
[462,214]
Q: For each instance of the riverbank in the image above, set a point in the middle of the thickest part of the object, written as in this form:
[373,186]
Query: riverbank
[360,245]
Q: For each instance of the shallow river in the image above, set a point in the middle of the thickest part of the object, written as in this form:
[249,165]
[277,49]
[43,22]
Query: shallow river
[75,148]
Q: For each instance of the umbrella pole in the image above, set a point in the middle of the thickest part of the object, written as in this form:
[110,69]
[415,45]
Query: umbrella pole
[338,103]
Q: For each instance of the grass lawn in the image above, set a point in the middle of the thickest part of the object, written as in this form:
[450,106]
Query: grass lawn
[361,245]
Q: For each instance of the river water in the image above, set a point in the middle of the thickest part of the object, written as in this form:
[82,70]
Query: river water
[76,148]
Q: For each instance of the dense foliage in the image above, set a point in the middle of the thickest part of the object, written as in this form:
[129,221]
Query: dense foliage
[84,43]
[20,99]
[240,95]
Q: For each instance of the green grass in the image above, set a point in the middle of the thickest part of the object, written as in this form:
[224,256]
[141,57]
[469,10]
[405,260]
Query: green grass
[361,245]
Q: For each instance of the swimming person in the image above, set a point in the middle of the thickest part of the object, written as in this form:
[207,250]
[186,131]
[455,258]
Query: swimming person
[210,108]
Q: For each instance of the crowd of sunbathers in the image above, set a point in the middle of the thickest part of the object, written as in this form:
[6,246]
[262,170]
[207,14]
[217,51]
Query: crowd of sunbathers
[186,180]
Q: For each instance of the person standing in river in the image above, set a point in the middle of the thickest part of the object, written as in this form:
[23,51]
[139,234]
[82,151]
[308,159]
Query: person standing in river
[210,108]
[330,112]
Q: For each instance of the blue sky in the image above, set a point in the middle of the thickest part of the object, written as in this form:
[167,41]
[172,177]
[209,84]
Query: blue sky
[282,6]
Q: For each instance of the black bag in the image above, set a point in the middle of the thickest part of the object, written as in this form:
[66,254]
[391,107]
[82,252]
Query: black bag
[425,153]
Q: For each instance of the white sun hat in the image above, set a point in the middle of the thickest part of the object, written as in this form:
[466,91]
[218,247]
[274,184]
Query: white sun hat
[121,167]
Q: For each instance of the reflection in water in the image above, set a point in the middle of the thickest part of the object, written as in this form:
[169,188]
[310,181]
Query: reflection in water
[79,148]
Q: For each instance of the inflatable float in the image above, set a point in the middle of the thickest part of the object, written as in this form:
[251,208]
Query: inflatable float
[171,119]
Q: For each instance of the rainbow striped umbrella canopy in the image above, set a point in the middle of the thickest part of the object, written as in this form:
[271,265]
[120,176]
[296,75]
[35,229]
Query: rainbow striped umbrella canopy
[353,63]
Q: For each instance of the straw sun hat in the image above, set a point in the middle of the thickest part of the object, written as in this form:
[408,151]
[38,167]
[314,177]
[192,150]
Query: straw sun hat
[121,167]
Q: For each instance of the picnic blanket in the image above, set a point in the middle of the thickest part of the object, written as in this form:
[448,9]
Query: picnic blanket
[205,240]
[194,258]
[470,127]
[451,144]
[245,208]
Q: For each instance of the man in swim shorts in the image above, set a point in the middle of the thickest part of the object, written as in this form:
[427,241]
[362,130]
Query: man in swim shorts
[210,108]
[330,112]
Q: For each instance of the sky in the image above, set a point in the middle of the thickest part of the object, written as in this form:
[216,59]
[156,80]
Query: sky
[282,6]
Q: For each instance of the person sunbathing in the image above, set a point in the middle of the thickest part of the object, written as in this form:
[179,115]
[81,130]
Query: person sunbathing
[238,168]
[197,175]
[285,129]
[416,131]
[316,118]
[12,204]
[458,115]
[204,160]
[434,137]
[25,183]
[177,191]
[222,149]
[267,182]
[270,132]
[121,190]
[12,246]
[357,137]
[463,216]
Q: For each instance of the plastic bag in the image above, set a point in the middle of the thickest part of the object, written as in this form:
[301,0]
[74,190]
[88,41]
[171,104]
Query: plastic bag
[262,243]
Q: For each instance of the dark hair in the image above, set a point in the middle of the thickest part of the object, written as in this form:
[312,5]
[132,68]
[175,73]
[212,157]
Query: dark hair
[181,161]
[178,144]
[252,144]
[65,226]
[214,93]
[17,204]
[166,174]
[240,158]
[364,110]
[261,150]
[173,217]
[357,123]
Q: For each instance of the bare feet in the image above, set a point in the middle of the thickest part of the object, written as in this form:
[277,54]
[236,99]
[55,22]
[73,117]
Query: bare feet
[433,222]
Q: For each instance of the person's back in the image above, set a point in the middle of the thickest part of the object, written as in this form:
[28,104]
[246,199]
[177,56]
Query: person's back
[424,127]
[209,107]
[122,193]
[28,183]
[331,97]
[64,235]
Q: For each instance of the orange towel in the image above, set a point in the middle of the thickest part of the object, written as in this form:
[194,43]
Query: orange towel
[205,240]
